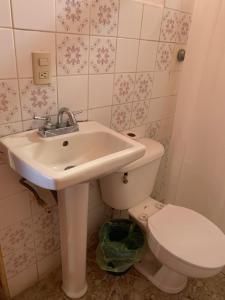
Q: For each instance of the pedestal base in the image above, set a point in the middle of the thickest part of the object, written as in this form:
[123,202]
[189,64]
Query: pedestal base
[161,276]
[73,218]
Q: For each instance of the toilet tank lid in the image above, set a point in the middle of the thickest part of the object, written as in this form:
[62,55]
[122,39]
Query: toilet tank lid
[154,150]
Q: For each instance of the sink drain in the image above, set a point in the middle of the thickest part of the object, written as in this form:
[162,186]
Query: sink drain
[69,167]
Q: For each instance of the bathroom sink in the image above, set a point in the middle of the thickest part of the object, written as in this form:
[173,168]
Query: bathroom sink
[67,163]
[61,161]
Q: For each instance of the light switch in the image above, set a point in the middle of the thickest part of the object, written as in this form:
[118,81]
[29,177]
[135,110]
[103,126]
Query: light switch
[43,62]
[42,69]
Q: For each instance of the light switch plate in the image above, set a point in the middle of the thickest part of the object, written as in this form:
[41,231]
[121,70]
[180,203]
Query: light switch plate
[42,68]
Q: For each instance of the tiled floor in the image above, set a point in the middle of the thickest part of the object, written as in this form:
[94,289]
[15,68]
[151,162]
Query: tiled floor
[132,286]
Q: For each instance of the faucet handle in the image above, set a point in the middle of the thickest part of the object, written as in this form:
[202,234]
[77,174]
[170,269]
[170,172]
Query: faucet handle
[48,123]
[46,118]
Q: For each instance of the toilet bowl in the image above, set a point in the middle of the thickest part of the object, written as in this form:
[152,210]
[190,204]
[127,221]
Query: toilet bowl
[181,243]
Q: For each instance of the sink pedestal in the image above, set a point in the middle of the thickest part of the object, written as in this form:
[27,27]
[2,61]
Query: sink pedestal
[73,218]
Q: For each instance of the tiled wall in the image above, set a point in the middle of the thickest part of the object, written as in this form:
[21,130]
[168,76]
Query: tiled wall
[116,61]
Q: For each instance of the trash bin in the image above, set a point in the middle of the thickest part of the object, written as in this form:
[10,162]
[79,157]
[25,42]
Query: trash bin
[121,243]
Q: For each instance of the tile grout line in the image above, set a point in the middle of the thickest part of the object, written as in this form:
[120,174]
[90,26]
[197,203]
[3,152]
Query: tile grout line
[114,74]
[56,61]
[17,69]
[89,56]
[136,67]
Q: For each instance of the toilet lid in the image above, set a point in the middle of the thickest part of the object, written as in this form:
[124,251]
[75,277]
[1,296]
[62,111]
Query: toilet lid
[188,236]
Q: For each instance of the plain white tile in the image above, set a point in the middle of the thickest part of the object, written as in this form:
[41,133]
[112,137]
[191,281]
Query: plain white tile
[14,208]
[48,264]
[34,14]
[7,57]
[165,84]
[101,115]
[183,5]
[73,92]
[130,16]
[127,53]
[100,90]
[28,42]
[151,23]
[174,82]
[23,280]
[5,14]
[95,218]
[161,84]
[161,108]
[147,56]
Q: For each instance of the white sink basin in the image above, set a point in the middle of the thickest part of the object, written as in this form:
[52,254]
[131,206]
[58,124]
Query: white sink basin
[66,163]
[62,161]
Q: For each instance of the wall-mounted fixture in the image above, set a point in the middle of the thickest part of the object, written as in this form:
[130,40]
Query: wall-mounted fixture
[41,62]
[181,55]
[159,3]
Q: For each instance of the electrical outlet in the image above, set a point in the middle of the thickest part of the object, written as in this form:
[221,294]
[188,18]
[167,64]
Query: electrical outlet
[42,70]
[43,75]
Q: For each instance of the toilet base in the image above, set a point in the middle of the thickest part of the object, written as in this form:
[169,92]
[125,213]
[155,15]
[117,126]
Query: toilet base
[161,276]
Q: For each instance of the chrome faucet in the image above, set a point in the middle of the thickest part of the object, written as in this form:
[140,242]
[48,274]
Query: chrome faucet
[71,118]
[48,129]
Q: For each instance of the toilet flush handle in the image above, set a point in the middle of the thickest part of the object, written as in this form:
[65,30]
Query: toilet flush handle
[125,178]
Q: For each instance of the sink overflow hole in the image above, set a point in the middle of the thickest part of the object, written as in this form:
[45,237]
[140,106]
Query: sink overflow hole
[65,143]
[69,167]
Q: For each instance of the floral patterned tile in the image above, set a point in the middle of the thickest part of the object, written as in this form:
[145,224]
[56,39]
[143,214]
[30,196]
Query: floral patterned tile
[9,101]
[37,99]
[72,54]
[131,286]
[16,236]
[170,25]
[46,232]
[121,117]
[102,55]
[143,86]
[152,130]
[104,17]
[184,28]
[159,130]
[164,56]
[10,128]
[140,111]
[123,88]
[19,260]
[72,16]
[46,246]
[43,224]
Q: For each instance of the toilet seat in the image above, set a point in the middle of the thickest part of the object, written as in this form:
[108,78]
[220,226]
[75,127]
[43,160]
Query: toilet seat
[186,241]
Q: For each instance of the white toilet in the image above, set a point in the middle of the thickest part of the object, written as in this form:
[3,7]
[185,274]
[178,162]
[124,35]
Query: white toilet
[181,242]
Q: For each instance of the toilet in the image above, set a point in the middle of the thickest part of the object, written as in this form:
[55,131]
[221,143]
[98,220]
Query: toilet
[181,243]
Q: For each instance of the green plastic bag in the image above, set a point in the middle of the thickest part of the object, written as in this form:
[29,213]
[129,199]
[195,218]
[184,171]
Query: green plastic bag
[121,243]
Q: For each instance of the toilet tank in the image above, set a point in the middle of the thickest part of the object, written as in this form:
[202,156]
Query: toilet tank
[134,182]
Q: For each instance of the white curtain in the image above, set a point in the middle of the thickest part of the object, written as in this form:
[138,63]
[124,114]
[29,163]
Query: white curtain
[197,168]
